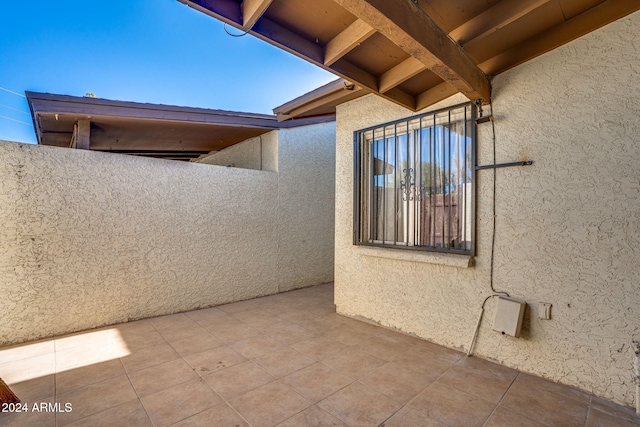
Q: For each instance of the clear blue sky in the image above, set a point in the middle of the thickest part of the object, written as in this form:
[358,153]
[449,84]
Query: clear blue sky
[157,51]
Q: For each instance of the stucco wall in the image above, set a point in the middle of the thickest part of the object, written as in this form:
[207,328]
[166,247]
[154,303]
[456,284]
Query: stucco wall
[567,231]
[259,153]
[89,238]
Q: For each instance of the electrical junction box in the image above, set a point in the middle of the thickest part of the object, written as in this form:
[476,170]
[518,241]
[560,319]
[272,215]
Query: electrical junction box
[509,315]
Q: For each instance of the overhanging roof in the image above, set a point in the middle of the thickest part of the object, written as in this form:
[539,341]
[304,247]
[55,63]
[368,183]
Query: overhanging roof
[417,52]
[164,131]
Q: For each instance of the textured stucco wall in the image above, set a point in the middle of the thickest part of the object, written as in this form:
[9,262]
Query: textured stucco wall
[306,198]
[567,232]
[259,153]
[89,238]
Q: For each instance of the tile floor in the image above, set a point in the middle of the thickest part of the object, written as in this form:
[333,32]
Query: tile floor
[285,360]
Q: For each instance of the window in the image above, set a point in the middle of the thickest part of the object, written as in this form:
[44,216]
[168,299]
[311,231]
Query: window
[414,182]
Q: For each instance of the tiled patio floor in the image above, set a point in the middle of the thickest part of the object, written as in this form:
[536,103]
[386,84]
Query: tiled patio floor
[285,360]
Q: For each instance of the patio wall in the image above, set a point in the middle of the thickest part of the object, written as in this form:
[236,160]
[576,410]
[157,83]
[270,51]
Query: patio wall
[568,227]
[89,239]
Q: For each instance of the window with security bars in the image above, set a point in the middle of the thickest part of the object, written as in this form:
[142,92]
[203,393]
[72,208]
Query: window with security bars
[414,181]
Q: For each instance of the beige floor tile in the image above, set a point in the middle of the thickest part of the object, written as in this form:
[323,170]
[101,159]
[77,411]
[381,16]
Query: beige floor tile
[221,415]
[171,321]
[316,382]
[397,382]
[254,317]
[318,347]
[140,335]
[34,390]
[238,379]
[237,307]
[269,405]
[92,337]
[544,401]
[256,346]
[233,333]
[452,406]
[423,362]
[288,333]
[26,351]
[95,398]
[213,360]
[283,362]
[149,356]
[353,362]
[207,315]
[159,377]
[29,418]
[439,352]
[598,418]
[82,376]
[179,332]
[506,418]
[313,417]
[28,369]
[85,355]
[360,406]
[614,409]
[480,378]
[346,335]
[195,344]
[180,402]
[379,347]
[128,414]
[408,417]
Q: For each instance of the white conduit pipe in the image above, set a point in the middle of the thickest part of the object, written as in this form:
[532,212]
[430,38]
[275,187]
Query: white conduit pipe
[636,372]
[475,332]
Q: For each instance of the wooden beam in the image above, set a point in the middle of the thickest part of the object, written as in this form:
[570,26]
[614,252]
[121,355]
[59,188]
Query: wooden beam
[494,18]
[435,94]
[348,39]
[400,73]
[227,11]
[584,23]
[285,39]
[409,27]
[81,138]
[252,10]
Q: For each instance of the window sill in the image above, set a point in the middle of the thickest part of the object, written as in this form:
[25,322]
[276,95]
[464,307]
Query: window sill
[451,260]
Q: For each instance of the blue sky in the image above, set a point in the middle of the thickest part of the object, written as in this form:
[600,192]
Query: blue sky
[157,51]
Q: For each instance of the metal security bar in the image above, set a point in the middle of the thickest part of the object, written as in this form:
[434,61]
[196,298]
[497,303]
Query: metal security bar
[414,182]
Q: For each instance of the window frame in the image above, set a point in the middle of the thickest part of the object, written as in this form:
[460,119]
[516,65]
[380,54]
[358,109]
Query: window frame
[358,202]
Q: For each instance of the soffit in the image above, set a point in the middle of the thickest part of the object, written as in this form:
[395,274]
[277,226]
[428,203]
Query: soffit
[154,130]
[475,39]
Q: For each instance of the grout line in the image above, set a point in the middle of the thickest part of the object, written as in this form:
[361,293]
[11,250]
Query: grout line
[502,398]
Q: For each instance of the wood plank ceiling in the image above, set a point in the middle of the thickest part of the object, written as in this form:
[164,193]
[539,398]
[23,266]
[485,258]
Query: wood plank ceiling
[417,52]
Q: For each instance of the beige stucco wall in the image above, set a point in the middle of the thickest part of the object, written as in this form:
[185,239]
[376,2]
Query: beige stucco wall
[89,238]
[567,232]
[259,153]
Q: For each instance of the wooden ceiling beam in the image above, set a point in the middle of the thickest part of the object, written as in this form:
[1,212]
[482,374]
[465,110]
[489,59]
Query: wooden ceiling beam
[81,138]
[410,28]
[494,18]
[252,10]
[227,11]
[584,23]
[435,94]
[400,73]
[277,35]
[344,42]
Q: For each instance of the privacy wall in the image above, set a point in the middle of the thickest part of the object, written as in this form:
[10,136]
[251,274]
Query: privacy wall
[567,227]
[89,239]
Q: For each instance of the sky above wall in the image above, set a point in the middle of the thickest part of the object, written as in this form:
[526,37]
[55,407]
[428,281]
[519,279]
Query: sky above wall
[156,51]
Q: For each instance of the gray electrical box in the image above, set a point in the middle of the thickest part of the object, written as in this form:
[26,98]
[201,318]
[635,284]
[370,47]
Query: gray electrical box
[509,315]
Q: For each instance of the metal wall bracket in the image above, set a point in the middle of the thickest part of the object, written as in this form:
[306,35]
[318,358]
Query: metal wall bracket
[505,165]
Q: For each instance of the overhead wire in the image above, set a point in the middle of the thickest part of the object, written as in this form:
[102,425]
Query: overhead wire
[14,109]
[10,91]
[17,121]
